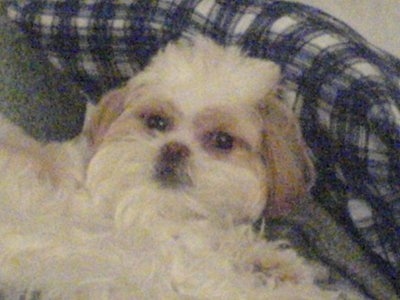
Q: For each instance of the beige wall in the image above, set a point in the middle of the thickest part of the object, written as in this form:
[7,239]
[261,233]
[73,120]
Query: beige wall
[377,20]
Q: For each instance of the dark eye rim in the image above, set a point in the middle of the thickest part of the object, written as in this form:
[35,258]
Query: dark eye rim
[221,141]
[156,121]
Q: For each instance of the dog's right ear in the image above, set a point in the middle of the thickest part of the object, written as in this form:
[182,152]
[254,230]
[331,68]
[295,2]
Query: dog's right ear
[109,108]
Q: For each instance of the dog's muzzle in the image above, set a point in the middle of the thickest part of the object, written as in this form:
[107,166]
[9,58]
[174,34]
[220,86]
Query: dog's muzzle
[171,169]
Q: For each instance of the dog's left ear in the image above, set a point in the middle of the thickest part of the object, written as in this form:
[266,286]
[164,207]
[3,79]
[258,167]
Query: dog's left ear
[286,156]
[109,108]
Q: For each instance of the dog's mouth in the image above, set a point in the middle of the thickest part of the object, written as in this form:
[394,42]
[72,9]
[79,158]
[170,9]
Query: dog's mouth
[171,168]
[170,177]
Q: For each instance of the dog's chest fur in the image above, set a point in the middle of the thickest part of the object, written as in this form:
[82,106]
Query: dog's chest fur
[145,251]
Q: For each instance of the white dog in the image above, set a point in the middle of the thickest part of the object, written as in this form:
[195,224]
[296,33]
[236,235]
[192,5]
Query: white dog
[156,198]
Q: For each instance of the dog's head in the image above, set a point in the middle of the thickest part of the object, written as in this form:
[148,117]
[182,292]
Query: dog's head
[200,125]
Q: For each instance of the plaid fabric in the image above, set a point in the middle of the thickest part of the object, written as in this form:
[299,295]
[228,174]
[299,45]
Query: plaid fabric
[345,91]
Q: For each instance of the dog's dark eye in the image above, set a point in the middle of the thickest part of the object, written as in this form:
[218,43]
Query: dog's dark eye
[222,140]
[157,122]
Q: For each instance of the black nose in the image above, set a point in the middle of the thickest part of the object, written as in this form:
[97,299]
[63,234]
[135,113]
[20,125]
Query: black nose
[174,152]
[171,165]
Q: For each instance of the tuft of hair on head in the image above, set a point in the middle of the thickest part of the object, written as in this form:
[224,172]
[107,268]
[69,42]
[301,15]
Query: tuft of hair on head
[219,72]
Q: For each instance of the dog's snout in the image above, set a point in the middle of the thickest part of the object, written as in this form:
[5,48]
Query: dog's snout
[174,152]
[171,165]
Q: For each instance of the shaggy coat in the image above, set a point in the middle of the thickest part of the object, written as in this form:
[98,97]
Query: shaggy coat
[156,198]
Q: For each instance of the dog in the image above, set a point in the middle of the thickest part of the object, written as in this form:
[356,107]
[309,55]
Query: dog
[157,197]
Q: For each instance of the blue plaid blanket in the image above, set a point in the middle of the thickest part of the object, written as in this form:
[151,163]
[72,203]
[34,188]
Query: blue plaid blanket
[345,91]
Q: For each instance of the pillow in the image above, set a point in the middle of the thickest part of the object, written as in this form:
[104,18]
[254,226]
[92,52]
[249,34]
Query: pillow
[30,87]
[345,91]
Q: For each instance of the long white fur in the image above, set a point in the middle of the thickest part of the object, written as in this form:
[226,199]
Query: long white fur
[78,223]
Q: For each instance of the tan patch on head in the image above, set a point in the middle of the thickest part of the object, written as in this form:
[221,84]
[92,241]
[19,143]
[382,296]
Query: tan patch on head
[107,111]
[235,121]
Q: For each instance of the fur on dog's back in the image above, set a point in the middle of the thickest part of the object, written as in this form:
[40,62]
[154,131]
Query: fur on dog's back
[38,180]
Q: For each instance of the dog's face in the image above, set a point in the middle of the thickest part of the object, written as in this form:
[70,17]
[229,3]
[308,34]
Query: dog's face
[200,133]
